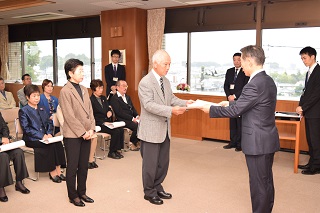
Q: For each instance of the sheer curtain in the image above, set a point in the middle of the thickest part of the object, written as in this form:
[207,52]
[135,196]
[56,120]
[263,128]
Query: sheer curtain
[155,29]
[4,42]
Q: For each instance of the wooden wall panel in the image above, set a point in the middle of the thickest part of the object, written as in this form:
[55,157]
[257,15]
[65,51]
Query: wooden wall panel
[134,40]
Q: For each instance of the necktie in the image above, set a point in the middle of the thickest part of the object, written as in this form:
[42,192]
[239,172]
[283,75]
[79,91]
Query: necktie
[307,78]
[235,76]
[161,85]
[115,70]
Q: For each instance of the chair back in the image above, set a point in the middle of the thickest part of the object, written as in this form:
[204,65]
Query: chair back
[9,116]
[19,131]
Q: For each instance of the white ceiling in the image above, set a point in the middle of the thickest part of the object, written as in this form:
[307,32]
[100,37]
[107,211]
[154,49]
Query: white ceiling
[78,8]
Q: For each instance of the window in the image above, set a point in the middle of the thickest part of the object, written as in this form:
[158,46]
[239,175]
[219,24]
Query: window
[176,45]
[211,56]
[97,58]
[14,65]
[38,60]
[283,62]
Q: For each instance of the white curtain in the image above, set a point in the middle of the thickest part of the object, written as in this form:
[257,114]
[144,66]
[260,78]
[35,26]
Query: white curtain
[155,24]
[4,42]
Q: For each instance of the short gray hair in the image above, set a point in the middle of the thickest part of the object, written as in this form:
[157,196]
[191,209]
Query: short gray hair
[255,52]
[158,56]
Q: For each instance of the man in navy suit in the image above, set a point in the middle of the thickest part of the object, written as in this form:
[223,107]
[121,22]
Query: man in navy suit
[260,139]
[233,85]
[113,73]
[309,106]
[124,110]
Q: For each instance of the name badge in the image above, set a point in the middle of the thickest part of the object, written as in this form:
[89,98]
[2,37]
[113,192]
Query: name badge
[115,79]
[231,86]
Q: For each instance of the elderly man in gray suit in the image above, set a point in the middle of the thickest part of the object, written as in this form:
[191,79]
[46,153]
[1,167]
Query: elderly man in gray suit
[260,139]
[158,103]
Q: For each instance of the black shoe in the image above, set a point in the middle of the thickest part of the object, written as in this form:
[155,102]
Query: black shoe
[79,204]
[55,179]
[154,200]
[86,199]
[238,149]
[4,199]
[311,171]
[229,146]
[23,191]
[307,166]
[95,165]
[164,195]
[113,155]
[62,177]
[90,165]
[119,154]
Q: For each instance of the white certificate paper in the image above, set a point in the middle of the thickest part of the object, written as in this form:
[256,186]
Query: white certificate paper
[53,139]
[115,124]
[198,104]
[12,145]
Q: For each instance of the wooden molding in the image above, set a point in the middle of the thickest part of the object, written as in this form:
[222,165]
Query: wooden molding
[20,4]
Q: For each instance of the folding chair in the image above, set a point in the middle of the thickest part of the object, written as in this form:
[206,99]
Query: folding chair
[126,143]
[105,139]
[9,116]
[19,133]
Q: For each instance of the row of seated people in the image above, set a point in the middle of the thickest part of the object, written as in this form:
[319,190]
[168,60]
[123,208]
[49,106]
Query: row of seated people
[36,121]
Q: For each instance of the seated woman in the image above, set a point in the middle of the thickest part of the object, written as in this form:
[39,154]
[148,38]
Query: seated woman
[48,101]
[103,114]
[17,157]
[36,125]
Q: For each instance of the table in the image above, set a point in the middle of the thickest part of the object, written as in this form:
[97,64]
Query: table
[292,137]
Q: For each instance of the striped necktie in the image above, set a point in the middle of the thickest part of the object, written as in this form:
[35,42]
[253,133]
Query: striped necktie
[161,84]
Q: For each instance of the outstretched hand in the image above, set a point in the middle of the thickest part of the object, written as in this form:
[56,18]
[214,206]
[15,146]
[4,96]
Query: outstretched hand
[176,110]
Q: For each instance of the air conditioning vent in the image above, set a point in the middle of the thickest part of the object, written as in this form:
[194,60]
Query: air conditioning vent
[43,16]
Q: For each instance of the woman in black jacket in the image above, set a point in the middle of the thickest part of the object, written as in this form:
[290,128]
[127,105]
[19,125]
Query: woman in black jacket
[103,114]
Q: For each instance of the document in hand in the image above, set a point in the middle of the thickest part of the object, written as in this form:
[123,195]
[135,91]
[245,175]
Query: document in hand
[12,145]
[53,139]
[98,129]
[115,124]
[198,104]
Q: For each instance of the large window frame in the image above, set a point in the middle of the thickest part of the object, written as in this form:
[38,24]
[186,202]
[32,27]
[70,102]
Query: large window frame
[22,57]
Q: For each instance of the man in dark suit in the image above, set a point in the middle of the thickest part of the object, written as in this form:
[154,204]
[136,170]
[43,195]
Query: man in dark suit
[19,165]
[114,72]
[260,139]
[309,107]
[124,110]
[233,85]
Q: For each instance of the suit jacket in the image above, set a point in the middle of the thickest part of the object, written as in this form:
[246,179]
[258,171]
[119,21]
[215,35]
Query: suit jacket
[156,110]
[77,113]
[241,80]
[100,112]
[35,123]
[310,99]
[4,130]
[109,75]
[22,97]
[7,102]
[257,106]
[123,111]
[44,102]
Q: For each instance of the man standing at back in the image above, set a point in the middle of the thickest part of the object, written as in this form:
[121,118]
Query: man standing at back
[309,107]
[26,80]
[260,138]
[113,73]
[233,85]
[158,103]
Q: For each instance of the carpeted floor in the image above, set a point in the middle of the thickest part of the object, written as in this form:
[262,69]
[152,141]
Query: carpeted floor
[203,177]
